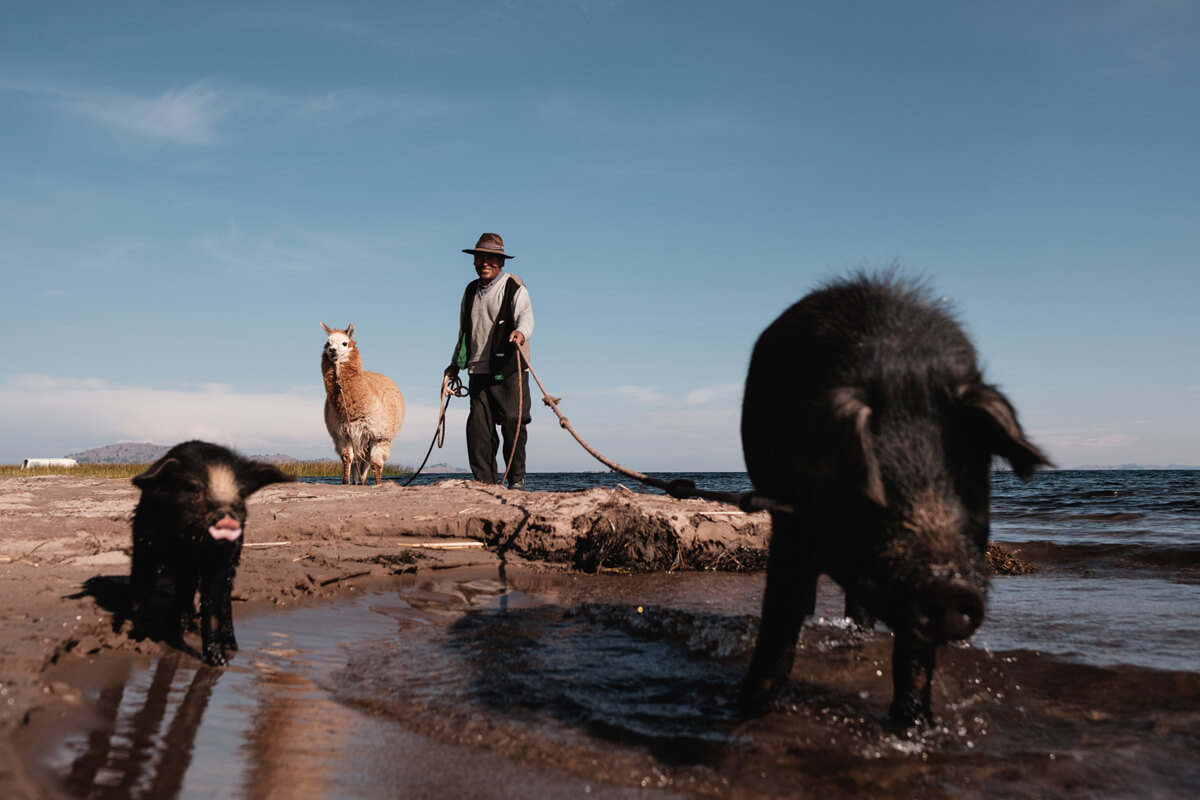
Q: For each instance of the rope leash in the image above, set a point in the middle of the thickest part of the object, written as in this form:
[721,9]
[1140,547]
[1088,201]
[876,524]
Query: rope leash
[520,415]
[680,488]
[451,387]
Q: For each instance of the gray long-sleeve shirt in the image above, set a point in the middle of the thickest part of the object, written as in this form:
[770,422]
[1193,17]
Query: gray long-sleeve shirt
[484,311]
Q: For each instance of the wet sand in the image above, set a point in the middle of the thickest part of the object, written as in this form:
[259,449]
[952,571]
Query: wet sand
[487,673]
[64,556]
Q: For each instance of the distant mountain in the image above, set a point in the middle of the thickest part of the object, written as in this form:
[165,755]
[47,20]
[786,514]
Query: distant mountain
[277,458]
[1133,466]
[146,452]
[441,469]
[123,453]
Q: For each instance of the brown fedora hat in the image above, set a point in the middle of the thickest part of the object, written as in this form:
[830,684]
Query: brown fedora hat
[490,243]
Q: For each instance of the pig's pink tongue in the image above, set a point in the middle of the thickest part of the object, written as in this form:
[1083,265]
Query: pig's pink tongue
[227,529]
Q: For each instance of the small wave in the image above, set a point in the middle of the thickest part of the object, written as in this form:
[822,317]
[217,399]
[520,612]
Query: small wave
[1103,557]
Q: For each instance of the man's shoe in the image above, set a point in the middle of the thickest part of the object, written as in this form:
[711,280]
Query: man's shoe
[517,486]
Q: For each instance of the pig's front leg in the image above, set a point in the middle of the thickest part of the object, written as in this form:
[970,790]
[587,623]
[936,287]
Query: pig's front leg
[912,680]
[212,605]
[790,597]
[857,613]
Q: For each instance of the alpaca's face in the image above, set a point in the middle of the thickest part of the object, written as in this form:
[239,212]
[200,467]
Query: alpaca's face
[338,347]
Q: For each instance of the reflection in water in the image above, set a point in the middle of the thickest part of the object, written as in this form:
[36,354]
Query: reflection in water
[147,749]
[596,669]
[283,718]
[517,684]
[259,728]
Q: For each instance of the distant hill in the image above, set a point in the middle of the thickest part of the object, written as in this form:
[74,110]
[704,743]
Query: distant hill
[1133,466]
[277,458]
[146,452]
[123,453]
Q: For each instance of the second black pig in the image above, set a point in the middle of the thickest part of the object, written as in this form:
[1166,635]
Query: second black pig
[866,412]
[190,523]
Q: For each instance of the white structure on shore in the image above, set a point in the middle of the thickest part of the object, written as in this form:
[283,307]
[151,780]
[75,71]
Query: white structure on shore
[30,463]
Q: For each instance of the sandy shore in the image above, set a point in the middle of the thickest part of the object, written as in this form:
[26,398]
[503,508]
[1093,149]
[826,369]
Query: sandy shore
[64,554]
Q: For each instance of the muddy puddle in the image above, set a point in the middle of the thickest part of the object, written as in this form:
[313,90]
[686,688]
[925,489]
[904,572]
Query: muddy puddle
[507,683]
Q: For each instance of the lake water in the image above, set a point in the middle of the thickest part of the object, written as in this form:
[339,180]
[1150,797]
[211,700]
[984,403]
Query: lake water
[1084,680]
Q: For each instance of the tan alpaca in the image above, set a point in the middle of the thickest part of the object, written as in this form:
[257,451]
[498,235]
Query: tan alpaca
[363,409]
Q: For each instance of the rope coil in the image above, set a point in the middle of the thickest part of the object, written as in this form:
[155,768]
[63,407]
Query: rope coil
[451,387]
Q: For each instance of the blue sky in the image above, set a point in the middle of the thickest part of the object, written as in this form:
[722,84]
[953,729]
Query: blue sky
[190,189]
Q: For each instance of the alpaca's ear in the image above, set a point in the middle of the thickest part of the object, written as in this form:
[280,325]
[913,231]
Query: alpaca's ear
[328,330]
[350,330]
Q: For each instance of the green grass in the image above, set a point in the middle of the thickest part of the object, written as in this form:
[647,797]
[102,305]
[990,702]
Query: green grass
[82,471]
[300,469]
[333,469]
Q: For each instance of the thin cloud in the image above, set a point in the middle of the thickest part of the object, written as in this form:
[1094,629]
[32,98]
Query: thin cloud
[48,383]
[346,106]
[714,394]
[205,113]
[599,117]
[1093,440]
[46,413]
[644,395]
[187,116]
[305,251]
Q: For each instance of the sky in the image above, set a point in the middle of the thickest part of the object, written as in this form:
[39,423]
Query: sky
[190,190]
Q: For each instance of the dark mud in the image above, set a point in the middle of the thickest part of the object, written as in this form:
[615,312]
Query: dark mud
[508,683]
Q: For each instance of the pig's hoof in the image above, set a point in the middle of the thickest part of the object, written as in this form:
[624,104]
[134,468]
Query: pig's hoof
[757,697]
[906,716]
[215,658]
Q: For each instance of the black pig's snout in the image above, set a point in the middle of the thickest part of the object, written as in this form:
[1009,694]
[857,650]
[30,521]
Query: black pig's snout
[949,610]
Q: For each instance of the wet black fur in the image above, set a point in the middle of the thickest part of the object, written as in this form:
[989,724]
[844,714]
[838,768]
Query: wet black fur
[170,534]
[861,399]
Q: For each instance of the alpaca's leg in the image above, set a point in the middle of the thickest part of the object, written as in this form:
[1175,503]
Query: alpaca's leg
[379,456]
[347,462]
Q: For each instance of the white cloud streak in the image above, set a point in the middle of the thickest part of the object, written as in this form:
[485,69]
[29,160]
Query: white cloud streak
[205,113]
[50,414]
[642,395]
[187,116]
[722,392]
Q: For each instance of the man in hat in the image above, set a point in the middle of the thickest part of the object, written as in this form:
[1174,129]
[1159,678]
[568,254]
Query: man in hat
[495,320]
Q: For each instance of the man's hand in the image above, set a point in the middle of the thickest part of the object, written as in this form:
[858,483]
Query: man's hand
[518,337]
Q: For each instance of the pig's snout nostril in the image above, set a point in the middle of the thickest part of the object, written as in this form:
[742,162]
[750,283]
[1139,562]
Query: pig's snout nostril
[949,610]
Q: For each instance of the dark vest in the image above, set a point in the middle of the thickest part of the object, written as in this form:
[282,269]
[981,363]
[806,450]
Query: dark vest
[502,359]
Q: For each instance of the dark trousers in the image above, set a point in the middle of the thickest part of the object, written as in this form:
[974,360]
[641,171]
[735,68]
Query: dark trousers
[494,403]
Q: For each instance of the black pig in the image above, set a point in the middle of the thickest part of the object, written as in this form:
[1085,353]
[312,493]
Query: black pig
[866,413]
[190,523]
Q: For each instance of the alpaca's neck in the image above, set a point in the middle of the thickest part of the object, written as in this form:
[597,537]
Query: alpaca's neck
[338,375]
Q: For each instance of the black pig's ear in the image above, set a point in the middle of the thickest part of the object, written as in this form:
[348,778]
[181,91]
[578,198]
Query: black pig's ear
[852,411]
[254,475]
[157,471]
[1001,431]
